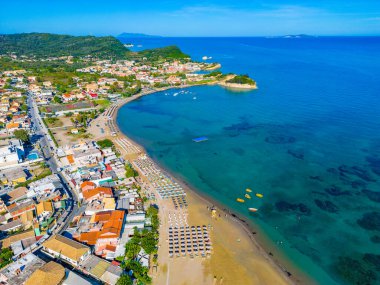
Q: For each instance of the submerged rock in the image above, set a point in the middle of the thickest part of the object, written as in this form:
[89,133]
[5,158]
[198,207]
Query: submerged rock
[358,184]
[280,139]
[296,153]
[356,171]
[318,178]
[374,163]
[354,271]
[370,221]
[283,206]
[373,259]
[375,239]
[372,195]
[336,191]
[326,205]
[243,126]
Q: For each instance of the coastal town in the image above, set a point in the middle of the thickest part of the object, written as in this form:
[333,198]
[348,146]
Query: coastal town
[80,202]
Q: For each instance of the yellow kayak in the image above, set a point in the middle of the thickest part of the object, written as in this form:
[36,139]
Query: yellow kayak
[259,195]
[247,196]
[240,200]
[248,190]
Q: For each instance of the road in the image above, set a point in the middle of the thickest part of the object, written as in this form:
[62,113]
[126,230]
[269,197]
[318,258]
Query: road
[49,151]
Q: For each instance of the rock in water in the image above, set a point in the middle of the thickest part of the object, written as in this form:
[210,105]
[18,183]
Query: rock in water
[370,221]
[326,205]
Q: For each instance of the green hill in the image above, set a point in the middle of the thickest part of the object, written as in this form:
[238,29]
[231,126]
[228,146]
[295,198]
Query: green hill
[46,45]
[169,52]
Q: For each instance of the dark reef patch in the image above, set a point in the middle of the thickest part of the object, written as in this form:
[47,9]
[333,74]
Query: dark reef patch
[326,205]
[372,195]
[238,151]
[243,126]
[336,191]
[358,184]
[280,139]
[299,154]
[300,208]
[357,171]
[354,271]
[375,239]
[318,178]
[370,221]
[374,163]
[373,259]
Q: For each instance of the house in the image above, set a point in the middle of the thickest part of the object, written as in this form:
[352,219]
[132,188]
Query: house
[23,210]
[51,273]
[103,225]
[19,193]
[96,193]
[12,126]
[44,210]
[92,95]
[66,249]
[87,185]
[67,97]
[14,175]
[13,153]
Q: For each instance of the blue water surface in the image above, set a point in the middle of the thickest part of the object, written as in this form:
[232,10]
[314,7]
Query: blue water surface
[308,139]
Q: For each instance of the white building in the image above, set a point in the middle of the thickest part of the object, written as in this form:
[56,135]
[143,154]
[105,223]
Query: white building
[13,153]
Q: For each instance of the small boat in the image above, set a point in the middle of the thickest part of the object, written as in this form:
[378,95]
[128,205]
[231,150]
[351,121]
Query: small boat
[248,190]
[247,196]
[259,195]
[194,98]
[200,139]
[240,200]
[252,209]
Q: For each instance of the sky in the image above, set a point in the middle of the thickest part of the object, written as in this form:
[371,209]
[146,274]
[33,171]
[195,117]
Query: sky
[192,18]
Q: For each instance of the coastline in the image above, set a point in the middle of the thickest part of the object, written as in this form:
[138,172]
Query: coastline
[232,220]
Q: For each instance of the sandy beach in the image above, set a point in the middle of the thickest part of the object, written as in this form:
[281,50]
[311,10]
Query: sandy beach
[237,258]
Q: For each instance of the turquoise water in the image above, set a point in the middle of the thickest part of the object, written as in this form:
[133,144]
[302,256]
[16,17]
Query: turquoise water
[308,139]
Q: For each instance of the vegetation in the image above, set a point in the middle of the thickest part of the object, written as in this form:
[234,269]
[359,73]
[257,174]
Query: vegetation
[45,172]
[54,122]
[22,135]
[169,52]
[5,257]
[242,79]
[213,74]
[130,171]
[53,138]
[106,143]
[124,280]
[146,240]
[52,45]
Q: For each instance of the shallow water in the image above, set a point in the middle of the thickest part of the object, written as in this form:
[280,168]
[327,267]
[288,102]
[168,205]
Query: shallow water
[308,139]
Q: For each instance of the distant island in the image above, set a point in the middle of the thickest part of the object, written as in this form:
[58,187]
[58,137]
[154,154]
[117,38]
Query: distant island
[136,35]
[300,36]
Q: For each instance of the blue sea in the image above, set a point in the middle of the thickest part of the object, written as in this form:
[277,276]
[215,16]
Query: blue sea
[308,139]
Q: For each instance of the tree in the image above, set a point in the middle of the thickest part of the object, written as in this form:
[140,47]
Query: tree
[129,171]
[105,143]
[5,256]
[21,135]
[124,280]
[57,99]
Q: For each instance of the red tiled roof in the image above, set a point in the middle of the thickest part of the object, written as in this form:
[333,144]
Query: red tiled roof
[107,192]
[112,225]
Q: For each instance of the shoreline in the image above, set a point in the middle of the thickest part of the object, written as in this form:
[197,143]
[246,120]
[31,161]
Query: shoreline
[286,272]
